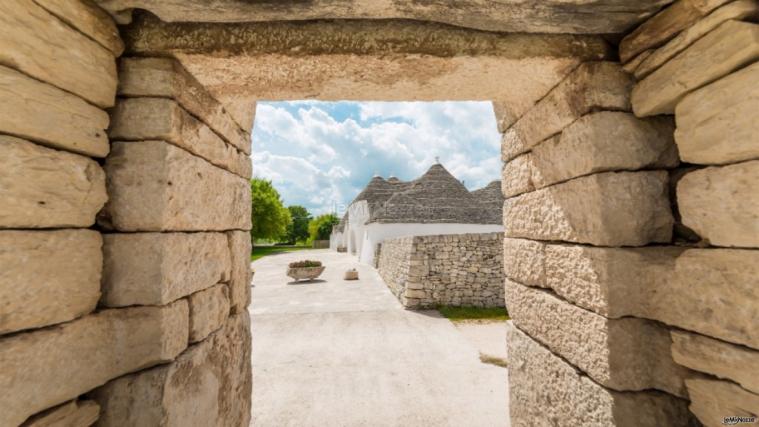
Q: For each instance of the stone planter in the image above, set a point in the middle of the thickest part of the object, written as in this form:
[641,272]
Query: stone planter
[305,273]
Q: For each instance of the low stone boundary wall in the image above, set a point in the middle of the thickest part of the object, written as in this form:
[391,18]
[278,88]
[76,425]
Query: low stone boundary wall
[457,270]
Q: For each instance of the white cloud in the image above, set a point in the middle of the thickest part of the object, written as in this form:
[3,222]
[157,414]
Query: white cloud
[322,154]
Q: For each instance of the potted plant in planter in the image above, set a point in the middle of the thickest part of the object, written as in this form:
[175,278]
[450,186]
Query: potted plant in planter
[305,270]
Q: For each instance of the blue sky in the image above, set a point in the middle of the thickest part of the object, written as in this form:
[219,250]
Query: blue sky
[322,154]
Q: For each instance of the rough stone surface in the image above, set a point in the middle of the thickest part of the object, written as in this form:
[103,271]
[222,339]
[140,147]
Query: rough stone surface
[240,248]
[91,20]
[717,123]
[712,401]
[516,175]
[554,16]
[721,204]
[208,311]
[702,290]
[50,116]
[547,391]
[592,86]
[634,63]
[739,10]
[50,366]
[42,46]
[155,186]
[77,413]
[621,354]
[158,268]
[456,270]
[729,47]
[165,77]
[208,385]
[604,141]
[137,119]
[607,209]
[43,188]
[665,25]
[505,115]
[724,360]
[47,277]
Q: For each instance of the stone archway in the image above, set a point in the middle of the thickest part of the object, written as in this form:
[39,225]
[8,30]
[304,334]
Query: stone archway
[604,231]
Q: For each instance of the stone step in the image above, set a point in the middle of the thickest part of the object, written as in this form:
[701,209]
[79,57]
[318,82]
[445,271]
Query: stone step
[606,209]
[729,47]
[49,366]
[166,78]
[721,204]
[40,45]
[590,87]
[47,115]
[158,268]
[142,119]
[547,391]
[48,277]
[155,186]
[718,124]
[702,290]
[627,354]
[45,188]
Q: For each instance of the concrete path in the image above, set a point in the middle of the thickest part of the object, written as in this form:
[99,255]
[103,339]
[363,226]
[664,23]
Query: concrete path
[338,353]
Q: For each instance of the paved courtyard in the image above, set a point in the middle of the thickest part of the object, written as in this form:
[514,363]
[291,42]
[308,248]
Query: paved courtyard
[338,353]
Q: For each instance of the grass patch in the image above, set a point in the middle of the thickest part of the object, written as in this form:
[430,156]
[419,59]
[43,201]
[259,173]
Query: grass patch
[459,314]
[497,361]
[262,251]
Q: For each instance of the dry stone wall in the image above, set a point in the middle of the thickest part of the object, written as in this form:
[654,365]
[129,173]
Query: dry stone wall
[454,269]
[584,177]
[124,240]
[703,67]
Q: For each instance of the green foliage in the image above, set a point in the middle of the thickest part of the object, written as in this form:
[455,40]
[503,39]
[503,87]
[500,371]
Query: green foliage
[473,313]
[297,230]
[321,227]
[270,218]
[305,264]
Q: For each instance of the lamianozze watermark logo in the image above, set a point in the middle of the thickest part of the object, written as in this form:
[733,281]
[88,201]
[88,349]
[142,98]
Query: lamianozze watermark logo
[733,420]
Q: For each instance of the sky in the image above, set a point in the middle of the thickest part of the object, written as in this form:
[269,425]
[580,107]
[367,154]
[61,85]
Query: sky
[322,154]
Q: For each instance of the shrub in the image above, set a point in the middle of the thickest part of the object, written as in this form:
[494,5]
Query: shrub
[305,264]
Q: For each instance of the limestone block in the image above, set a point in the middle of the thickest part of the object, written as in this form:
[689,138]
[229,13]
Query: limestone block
[621,354]
[47,277]
[137,119]
[89,19]
[208,311]
[729,47]
[42,46]
[505,115]
[155,186]
[604,141]
[208,385]
[42,188]
[240,248]
[721,204]
[665,25]
[547,391]
[701,290]
[50,116]
[516,176]
[166,78]
[738,10]
[717,123]
[592,86]
[76,413]
[75,357]
[634,63]
[712,401]
[609,209]
[721,359]
[158,268]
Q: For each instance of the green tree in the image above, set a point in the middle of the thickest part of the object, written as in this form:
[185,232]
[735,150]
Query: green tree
[297,230]
[269,217]
[321,227]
